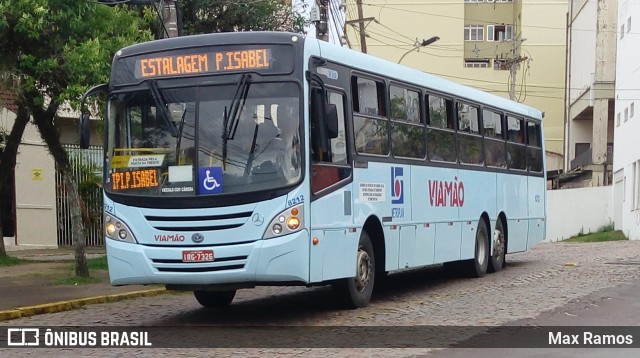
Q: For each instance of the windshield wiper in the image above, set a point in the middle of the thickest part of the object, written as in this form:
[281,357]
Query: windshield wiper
[161,107]
[231,118]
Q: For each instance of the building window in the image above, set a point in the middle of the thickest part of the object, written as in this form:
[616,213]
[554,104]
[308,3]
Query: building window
[621,31]
[499,32]
[631,109]
[618,119]
[629,24]
[474,33]
[626,114]
[499,65]
[477,63]
[504,0]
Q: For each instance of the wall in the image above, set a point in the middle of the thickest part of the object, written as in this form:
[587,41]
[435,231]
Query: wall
[570,211]
[36,220]
[626,148]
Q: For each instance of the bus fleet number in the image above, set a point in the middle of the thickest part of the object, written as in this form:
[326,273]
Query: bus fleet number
[295,201]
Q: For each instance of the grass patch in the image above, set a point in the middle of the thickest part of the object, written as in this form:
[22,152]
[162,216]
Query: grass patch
[11,261]
[98,263]
[605,233]
[75,280]
[96,266]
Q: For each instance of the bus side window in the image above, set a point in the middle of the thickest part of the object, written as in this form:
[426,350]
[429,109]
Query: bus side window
[494,145]
[330,169]
[516,150]
[441,135]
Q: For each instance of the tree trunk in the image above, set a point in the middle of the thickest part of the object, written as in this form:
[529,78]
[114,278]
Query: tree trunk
[8,159]
[44,121]
[3,251]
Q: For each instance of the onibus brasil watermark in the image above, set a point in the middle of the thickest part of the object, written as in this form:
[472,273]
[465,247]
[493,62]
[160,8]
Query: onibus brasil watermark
[52,337]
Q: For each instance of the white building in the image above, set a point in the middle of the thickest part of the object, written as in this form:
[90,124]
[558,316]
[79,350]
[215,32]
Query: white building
[626,163]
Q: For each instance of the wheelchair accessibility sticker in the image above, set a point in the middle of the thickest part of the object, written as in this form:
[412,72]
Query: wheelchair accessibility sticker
[210,180]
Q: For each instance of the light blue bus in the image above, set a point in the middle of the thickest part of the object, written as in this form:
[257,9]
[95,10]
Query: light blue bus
[262,158]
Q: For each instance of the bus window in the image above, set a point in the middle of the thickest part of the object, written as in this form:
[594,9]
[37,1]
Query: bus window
[494,147]
[441,136]
[516,150]
[407,133]
[370,124]
[469,139]
[333,168]
[534,148]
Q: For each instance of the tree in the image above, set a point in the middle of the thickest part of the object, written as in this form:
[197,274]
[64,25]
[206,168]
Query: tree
[207,16]
[57,49]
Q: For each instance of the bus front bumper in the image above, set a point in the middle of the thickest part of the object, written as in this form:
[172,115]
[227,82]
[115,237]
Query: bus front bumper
[281,259]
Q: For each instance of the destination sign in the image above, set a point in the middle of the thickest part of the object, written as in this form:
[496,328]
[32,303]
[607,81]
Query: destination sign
[134,179]
[202,63]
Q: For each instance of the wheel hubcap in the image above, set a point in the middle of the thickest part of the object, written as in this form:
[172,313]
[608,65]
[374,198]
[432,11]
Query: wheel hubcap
[481,249]
[498,247]
[363,274]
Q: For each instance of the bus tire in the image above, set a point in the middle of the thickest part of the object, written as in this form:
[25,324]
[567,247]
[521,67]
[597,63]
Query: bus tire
[356,292]
[215,299]
[477,267]
[496,262]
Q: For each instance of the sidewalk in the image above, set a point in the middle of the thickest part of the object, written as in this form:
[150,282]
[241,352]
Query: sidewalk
[30,288]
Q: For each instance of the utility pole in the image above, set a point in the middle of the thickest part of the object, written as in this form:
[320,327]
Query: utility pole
[320,18]
[512,64]
[169,18]
[363,39]
[361,25]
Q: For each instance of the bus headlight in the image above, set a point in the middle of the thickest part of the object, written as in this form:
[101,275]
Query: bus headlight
[286,222]
[117,230]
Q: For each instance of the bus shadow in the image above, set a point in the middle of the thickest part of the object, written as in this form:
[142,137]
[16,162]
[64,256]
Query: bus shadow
[303,306]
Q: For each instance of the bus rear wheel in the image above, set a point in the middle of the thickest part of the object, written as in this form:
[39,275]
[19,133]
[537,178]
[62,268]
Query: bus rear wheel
[496,263]
[356,292]
[477,267]
[215,299]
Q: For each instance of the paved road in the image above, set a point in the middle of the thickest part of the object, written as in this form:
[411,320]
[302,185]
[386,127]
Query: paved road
[535,284]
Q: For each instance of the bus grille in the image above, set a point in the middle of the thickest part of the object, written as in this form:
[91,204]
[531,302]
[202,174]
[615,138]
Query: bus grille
[219,264]
[198,223]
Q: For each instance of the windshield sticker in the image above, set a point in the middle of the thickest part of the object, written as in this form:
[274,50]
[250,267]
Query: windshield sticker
[372,192]
[135,179]
[180,173]
[210,180]
[155,160]
[119,161]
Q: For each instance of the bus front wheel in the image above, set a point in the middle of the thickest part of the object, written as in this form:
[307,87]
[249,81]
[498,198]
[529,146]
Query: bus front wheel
[356,292]
[214,299]
[477,267]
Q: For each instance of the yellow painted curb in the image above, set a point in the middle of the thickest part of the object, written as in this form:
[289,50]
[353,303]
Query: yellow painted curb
[77,303]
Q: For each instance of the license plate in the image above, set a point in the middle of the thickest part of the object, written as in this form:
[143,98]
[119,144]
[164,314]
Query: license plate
[197,256]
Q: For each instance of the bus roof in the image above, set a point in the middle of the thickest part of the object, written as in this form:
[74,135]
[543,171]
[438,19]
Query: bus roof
[225,38]
[366,62]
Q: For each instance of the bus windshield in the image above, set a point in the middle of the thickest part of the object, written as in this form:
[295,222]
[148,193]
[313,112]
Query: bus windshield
[209,140]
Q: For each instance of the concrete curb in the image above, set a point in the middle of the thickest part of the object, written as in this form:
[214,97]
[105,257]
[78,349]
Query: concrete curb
[76,303]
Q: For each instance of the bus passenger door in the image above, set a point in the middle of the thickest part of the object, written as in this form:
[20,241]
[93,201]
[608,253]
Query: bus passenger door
[334,254]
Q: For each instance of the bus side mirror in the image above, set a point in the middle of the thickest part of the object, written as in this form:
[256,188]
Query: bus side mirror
[332,121]
[84,120]
[85,130]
